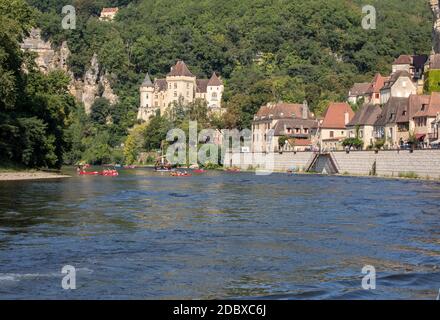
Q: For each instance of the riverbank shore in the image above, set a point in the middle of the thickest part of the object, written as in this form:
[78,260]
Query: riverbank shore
[29,175]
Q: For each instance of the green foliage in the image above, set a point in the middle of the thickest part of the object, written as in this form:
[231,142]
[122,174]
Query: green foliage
[33,106]
[379,144]
[432,81]
[353,142]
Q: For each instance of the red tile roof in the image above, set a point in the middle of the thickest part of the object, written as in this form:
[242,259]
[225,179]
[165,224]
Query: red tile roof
[300,142]
[334,117]
[110,10]
[432,109]
[180,70]
[403,59]
[377,84]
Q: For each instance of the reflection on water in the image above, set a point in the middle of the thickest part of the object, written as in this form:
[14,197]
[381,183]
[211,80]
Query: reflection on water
[147,235]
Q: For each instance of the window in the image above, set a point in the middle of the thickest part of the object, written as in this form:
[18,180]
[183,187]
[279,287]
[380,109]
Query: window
[298,130]
[187,85]
[377,96]
[175,93]
[214,95]
[306,130]
[155,97]
[332,134]
[404,113]
[187,94]
[175,85]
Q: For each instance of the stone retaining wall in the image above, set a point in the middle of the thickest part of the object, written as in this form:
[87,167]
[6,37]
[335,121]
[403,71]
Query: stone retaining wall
[423,163]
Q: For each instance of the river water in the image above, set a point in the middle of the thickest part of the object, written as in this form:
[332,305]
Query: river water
[146,235]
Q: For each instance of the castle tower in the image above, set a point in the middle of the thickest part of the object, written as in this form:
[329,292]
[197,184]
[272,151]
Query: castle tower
[146,108]
[181,84]
[214,92]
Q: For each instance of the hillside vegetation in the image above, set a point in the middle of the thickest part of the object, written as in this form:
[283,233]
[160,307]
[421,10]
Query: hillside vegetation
[265,50]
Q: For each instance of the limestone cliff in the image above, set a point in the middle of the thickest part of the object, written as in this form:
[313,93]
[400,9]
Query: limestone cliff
[435,8]
[94,84]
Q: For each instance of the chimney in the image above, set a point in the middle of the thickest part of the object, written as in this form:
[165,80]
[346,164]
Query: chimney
[346,118]
[305,110]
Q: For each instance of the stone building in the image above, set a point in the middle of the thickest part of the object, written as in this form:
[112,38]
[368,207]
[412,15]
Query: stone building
[426,121]
[179,86]
[292,121]
[333,129]
[399,85]
[362,124]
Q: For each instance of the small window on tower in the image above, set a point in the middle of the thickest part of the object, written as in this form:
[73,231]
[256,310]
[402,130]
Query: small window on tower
[175,85]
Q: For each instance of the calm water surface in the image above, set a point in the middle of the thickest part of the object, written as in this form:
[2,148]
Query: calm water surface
[146,235]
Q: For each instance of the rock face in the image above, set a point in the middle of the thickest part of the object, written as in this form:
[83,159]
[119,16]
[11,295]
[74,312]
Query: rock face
[47,59]
[435,7]
[94,84]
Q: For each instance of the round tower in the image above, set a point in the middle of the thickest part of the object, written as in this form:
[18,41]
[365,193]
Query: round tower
[146,99]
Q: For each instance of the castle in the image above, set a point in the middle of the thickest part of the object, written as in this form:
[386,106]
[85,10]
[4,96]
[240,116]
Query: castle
[179,86]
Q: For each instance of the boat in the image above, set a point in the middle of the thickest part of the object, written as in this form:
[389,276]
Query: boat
[180,174]
[109,173]
[233,170]
[199,171]
[88,173]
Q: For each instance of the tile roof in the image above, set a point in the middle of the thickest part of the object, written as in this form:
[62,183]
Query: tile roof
[394,77]
[431,109]
[110,10]
[390,111]
[161,84]
[281,126]
[415,103]
[214,81]
[334,117]
[202,85]
[147,81]
[377,83]
[360,89]
[403,59]
[180,70]
[283,110]
[366,116]
[300,142]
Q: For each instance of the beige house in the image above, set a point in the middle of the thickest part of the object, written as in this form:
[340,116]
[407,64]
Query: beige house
[294,122]
[179,86]
[108,14]
[399,85]
[333,129]
[427,120]
[386,126]
[362,124]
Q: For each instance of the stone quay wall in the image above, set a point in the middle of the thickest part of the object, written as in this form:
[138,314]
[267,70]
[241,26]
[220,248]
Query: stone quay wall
[421,163]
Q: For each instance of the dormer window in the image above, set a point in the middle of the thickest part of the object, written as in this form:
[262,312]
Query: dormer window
[404,113]
[423,107]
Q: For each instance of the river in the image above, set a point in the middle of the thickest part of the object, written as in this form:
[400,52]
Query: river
[146,235]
